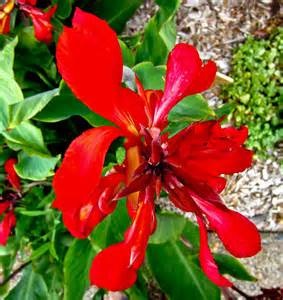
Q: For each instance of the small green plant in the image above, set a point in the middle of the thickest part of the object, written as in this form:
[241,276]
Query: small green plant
[257,90]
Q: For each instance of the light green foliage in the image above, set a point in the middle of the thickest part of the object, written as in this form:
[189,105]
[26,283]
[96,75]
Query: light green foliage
[257,89]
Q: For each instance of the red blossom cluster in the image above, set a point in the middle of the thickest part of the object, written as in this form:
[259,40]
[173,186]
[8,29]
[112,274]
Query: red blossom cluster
[7,201]
[41,20]
[187,166]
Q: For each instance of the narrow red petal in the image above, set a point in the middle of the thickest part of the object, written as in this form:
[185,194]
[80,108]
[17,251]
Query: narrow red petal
[207,261]
[115,268]
[3,206]
[5,24]
[90,61]
[239,235]
[76,181]
[12,176]
[8,222]
[186,75]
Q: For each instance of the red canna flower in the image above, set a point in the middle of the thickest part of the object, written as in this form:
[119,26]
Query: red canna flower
[6,204]
[188,166]
[41,20]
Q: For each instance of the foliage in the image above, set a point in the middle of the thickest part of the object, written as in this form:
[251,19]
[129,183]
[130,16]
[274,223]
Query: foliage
[256,94]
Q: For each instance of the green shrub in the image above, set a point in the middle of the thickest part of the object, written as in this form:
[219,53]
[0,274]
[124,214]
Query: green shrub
[257,90]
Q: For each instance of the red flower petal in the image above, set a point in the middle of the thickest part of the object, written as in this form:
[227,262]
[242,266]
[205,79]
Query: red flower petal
[115,268]
[76,181]
[110,268]
[207,261]
[12,176]
[205,150]
[3,206]
[239,235]
[90,61]
[41,22]
[5,24]
[185,76]
[8,222]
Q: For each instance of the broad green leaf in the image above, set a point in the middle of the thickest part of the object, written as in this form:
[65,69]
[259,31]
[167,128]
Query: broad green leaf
[77,263]
[159,35]
[53,112]
[116,13]
[35,167]
[64,8]
[111,230]
[150,76]
[191,235]
[30,287]
[169,228]
[10,91]
[34,66]
[7,57]
[177,275]
[29,107]
[191,109]
[26,137]
[224,110]
[229,265]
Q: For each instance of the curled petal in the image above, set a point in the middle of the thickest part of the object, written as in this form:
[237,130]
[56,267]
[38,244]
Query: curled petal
[204,151]
[6,225]
[239,235]
[90,61]
[12,176]
[207,261]
[186,75]
[76,182]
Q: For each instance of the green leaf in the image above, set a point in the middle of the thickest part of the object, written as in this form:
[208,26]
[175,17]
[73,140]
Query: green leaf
[116,13]
[128,57]
[191,109]
[229,265]
[35,167]
[29,107]
[77,263]
[159,35]
[34,66]
[53,112]
[191,234]
[120,155]
[26,137]
[224,110]
[10,91]
[64,8]
[169,228]
[33,213]
[151,77]
[30,287]
[177,275]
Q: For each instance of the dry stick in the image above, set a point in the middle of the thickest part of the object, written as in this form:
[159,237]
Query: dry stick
[241,292]
[19,269]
